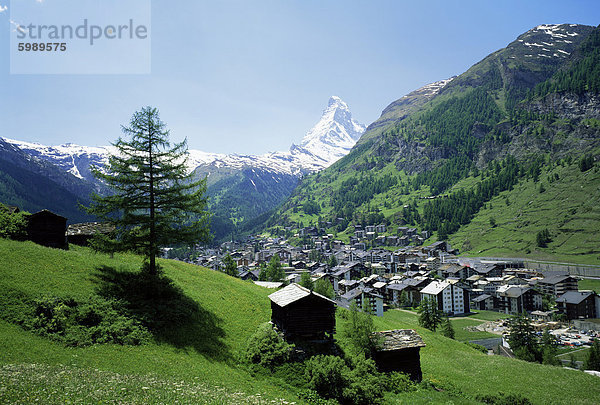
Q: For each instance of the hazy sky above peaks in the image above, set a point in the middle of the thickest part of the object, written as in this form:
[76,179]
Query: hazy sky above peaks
[250,77]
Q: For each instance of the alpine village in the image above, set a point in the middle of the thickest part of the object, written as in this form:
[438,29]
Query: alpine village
[448,252]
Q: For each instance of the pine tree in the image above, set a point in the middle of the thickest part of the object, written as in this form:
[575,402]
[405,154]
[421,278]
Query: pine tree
[447,329]
[306,280]
[522,339]
[262,273]
[229,266]
[154,202]
[324,287]
[593,360]
[430,316]
[274,269]
[549,349]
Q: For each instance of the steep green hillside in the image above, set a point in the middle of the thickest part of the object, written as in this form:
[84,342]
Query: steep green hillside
[564,200]
[195,362]
[197,355]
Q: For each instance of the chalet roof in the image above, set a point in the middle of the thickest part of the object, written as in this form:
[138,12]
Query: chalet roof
[399,339]
[379,284]
[89,228]
[574,297]
[46,213]
[293,293]
[268,284]
[11,209]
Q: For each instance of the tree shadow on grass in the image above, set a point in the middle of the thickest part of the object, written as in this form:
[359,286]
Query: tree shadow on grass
[170,315]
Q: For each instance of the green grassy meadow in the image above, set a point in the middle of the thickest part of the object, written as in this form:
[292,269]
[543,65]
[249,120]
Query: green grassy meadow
[197,362]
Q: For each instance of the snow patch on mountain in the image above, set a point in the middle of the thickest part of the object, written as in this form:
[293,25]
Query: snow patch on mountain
[553,39]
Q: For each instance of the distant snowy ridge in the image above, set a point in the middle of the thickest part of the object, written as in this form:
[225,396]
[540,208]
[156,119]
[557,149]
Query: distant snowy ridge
[330,139]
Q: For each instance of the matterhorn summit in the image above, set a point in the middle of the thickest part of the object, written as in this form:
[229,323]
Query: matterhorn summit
[334,135]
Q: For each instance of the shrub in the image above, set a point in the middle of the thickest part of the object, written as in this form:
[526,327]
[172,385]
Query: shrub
[266,348]
[586,163]
[332,378]
[12,226]
[366,384]
[475,346]
[327,375]
[398,382]
[504,399]
[94,321]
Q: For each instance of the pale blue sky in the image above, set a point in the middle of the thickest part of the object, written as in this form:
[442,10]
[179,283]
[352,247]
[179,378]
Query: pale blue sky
[254,76]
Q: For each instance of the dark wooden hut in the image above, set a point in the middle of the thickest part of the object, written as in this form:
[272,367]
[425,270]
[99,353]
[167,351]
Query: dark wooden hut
[48,229]
[300,313]
[80,234]
[399,351]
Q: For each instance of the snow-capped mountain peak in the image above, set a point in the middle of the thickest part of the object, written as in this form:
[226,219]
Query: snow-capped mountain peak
[335,133]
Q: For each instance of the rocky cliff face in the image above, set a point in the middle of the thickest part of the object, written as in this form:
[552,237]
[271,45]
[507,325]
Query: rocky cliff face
[574,126]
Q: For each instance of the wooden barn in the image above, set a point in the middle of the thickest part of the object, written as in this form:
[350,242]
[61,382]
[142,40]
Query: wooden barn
[80,234]
[48,229]
[301,314]
[399,351]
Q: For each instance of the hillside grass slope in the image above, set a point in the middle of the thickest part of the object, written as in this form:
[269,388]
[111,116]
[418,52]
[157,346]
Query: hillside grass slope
[564,200]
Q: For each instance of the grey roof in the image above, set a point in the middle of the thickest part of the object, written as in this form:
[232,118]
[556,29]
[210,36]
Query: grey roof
[350,295]
[293,293]
[396,286]
[482,297]
[554,279]
[574,297]
[515,292]
[399,339]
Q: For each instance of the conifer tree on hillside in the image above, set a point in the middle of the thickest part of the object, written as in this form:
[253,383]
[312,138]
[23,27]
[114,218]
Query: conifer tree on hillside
[229,266]
[430,316]
[154,202]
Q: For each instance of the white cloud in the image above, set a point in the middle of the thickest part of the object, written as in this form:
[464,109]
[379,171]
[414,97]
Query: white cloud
[2,8]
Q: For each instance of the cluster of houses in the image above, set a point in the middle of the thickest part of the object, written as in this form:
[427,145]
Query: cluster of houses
[379,279]
[374,235]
